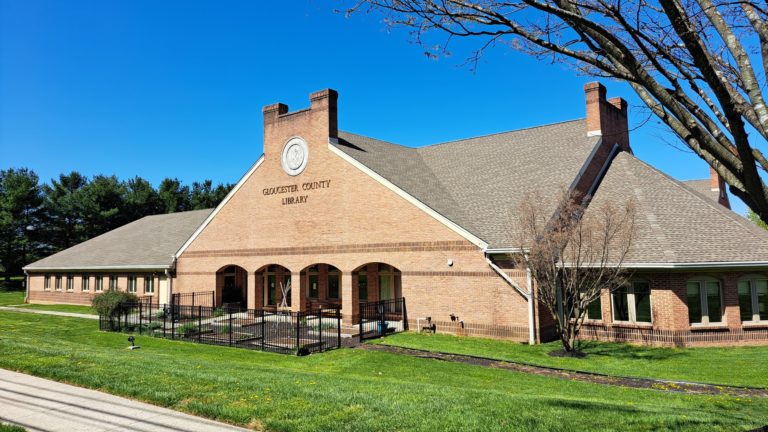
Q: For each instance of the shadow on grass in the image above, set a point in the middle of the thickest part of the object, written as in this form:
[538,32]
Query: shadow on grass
[630,352]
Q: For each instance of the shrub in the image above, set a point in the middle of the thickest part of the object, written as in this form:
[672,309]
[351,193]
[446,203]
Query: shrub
[218,312]
[187,328]
[108,302]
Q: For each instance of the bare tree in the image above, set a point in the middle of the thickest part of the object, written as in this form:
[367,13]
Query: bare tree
[699,65]
[573,255]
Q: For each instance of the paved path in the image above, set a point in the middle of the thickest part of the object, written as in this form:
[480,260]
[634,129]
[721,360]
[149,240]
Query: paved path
[621,381]
[43,405]
[47,312]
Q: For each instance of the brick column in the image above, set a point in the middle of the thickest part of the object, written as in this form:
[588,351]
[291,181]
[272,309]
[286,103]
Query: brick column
[251,289]
[298,296]
[350,300]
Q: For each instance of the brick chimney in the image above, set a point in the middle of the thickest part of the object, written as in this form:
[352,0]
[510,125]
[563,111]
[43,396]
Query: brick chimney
[717,185]
[315,124]
[606,118]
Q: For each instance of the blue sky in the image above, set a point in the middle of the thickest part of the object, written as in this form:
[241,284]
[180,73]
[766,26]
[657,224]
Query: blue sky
[175,89]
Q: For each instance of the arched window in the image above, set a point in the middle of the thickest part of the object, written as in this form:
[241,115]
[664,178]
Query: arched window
[632,302]
[705,301]
[753,298]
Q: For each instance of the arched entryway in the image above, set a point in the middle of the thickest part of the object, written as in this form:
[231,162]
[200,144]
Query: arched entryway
[232,287]
[377,281]
[321,286]
[271,282]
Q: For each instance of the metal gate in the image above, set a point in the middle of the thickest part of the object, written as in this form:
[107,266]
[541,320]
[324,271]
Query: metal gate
[380,318]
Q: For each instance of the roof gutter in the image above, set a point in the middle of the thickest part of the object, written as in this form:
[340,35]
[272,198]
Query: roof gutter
[528,295]
[101,268]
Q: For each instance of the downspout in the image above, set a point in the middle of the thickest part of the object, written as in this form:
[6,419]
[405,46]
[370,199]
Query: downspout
[169,278]
[531,298]
[528,295]
[26,278]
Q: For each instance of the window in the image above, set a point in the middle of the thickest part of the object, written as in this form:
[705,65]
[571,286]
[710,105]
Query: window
[85,283]
[595,309]
[70,283]
[47,283]
[362,285]
[132,284]
[99,283]
[753,299]
[333,282]
[58,283]
[632,303]
[314,289]
[149,284]
[705,302]
[113,283]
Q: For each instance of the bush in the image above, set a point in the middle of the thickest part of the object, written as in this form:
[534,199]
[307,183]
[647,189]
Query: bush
[186,329]
[109,302]
[218,312]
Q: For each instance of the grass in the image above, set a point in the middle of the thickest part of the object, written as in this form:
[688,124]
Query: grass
[347,389]
[62,308]
[739,366]
[8,298]
[11,297]
[5,427]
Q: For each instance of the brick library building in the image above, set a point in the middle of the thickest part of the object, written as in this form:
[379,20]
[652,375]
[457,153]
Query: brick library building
[345,219]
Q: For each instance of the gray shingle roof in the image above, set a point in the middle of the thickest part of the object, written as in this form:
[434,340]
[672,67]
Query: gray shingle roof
[478,182]
[149,242]
[674,223]
[703,187]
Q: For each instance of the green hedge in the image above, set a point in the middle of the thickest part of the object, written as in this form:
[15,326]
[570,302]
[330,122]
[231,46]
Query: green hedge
[108,302]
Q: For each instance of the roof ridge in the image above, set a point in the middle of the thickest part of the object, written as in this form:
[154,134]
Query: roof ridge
[730,214]
[502,133]
[468,138]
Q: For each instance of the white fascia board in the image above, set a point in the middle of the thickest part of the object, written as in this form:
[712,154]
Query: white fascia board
[691,265]
[219,207]
[100,268]
[507,250]
[408,197]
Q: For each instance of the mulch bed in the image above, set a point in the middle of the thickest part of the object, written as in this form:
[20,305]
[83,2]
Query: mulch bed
[619,381]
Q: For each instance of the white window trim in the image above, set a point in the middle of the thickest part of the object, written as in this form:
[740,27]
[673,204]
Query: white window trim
[703,301]
[70,283]
[85,283]
[98,285]
[113,288]
[752,279]
[149,280]
[57,283]
[46,283]
[131,284]
[631,307]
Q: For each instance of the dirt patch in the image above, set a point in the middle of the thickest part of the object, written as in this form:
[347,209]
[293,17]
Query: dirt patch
[619,381]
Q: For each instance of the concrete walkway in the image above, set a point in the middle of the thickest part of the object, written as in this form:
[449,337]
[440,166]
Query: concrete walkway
[43,405]
[47,312]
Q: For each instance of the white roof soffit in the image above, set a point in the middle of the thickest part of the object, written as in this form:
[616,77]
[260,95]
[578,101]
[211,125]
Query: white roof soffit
[219,207]
[408,197]
[101,268]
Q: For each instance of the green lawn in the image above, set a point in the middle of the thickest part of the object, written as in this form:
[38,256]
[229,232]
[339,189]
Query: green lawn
[741,366]
[5,427]
[17,298]
[62,308]
[347,389]
[11,297]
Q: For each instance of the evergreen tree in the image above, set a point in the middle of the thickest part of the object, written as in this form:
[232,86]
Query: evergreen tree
[20,210]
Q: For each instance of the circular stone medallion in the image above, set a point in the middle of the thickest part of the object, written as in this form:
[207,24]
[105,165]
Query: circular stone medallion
[295,156]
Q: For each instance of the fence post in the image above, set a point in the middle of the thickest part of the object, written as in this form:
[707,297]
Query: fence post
[361,311]
[193,299]
[338,328]
[230,327]
[298,323]
[405,315]
[141,330]
[320,328]
[199,323]
[165,315]
[263,324]
[173,325]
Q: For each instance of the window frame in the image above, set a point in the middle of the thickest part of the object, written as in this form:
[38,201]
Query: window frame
[632,304]
[85,283]
[98,283]
[704,304]
[753,297]
[70,283]
[131,284]
[57,283]
[47,283]
[113,285]
[149,282]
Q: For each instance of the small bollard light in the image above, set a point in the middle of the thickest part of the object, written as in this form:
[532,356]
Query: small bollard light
[133,346]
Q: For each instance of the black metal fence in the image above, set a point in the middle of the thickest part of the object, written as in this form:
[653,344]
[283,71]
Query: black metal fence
[262,329]
[203,298]
[379,318]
